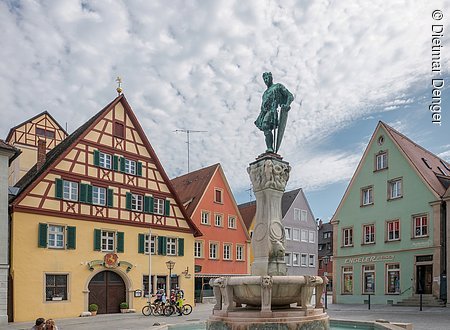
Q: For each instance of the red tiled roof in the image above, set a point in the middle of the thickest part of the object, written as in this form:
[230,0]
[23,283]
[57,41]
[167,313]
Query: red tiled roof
[191,186]
[248,211]
[420,157]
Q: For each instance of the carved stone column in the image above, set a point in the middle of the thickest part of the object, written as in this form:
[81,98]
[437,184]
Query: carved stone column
[269,176]
[266,295]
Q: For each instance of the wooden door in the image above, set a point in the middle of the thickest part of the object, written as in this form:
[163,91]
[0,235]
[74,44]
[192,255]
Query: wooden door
[107,290]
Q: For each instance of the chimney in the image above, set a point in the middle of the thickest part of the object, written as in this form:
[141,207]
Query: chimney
[41,153]
[320,223]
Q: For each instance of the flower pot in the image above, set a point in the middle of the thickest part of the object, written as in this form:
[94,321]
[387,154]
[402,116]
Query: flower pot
[93,313]
[124,310]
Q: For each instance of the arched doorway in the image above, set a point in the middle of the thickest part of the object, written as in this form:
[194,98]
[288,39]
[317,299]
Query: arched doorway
[107,290]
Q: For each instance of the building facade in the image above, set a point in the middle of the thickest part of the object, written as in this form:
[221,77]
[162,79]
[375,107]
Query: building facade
[390,226]
[300,231]
[42,128]
[325,256]
[82,219]
[7,155]
[224,247]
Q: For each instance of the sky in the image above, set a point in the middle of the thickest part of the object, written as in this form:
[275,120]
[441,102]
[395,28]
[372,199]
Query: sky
[197,65]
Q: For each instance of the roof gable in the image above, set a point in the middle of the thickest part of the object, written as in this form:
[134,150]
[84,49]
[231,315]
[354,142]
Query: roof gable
[248,212]
[412,153]
[89,134]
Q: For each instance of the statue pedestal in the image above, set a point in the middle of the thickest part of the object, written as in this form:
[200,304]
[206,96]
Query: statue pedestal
[269,176]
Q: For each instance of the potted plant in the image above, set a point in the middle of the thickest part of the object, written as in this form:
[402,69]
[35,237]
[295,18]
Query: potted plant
[93,308]
[124,307]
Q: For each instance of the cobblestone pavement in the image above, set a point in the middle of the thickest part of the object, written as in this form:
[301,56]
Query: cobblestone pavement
[431,318]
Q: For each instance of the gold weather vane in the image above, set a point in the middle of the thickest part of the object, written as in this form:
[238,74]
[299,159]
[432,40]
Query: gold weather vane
[119,82]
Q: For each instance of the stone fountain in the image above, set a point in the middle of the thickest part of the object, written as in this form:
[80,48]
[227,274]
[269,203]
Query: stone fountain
[268,298]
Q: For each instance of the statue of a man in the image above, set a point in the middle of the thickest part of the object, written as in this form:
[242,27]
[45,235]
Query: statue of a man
[276,95]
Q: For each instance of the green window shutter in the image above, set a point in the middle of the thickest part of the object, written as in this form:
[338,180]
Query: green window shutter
[89,194]
[42,235]
[128,201]
[120,241]
[162,245]
[139,168]
[122,164]
[147,204]
[96,158]
[152,204]
[115,163]
[71,237]
[110,198]
[83,192]
[141,243]
[181,247]
[167,210]
[59,188]
[97,239]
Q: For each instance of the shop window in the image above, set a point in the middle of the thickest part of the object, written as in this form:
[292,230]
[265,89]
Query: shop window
[393,278]
[347,280]
[368,279]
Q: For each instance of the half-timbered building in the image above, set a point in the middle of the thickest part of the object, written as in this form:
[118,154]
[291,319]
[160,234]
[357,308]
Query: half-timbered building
[34,137]
[82,219]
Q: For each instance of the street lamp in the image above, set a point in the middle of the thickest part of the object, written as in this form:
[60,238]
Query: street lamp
[325,262]
[170,264]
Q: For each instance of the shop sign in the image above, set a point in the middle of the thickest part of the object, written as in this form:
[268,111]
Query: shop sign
[369,259]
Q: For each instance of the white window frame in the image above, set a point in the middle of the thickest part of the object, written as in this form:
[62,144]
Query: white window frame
[369,236]
[368,270]
[55,235]
[66,298]
[296,259]
[108,241]
[296,234]
[70,190]
[395,188]
[137,202]
[232,222]
[105,160]
[395,237]
[312,260]
[297,214]
[347,236]
[367,196]
[198,249]
[215,196]
[288,233]
[288,258]
[381,161]
[171,248]
[152,244]
[98,195]
[347,270]
[158,206]
[213,250]
[419,230]
[205,217]
[240,256]
[304,216]
[312,236]
[218,220]
[227,251]
[304,259]
[304,235]
[130,166]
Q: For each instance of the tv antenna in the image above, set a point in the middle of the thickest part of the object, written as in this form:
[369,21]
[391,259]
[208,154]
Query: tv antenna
[250,193]
[188,132]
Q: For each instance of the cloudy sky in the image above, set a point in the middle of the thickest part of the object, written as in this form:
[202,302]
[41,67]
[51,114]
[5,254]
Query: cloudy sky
[197,65]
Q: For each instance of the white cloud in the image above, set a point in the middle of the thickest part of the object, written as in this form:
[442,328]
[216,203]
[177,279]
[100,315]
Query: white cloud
[198,64]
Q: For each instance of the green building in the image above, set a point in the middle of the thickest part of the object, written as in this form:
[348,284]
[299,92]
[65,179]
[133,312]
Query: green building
[390,228]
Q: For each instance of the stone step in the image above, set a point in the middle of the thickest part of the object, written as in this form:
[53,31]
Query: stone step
[427,301]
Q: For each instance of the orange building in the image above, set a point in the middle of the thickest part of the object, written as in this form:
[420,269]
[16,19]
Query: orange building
[223,250]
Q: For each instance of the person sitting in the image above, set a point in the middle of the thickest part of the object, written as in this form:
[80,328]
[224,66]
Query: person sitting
[39,324]
[50,325]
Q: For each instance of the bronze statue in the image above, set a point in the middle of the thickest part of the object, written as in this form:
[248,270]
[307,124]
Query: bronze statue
[276,95]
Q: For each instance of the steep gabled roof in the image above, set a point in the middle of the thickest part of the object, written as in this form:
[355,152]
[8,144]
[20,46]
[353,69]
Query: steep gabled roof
[191,186]
[248,211]
[35,173]
[427,164]
[413,154]
[11,131]
[287,200]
